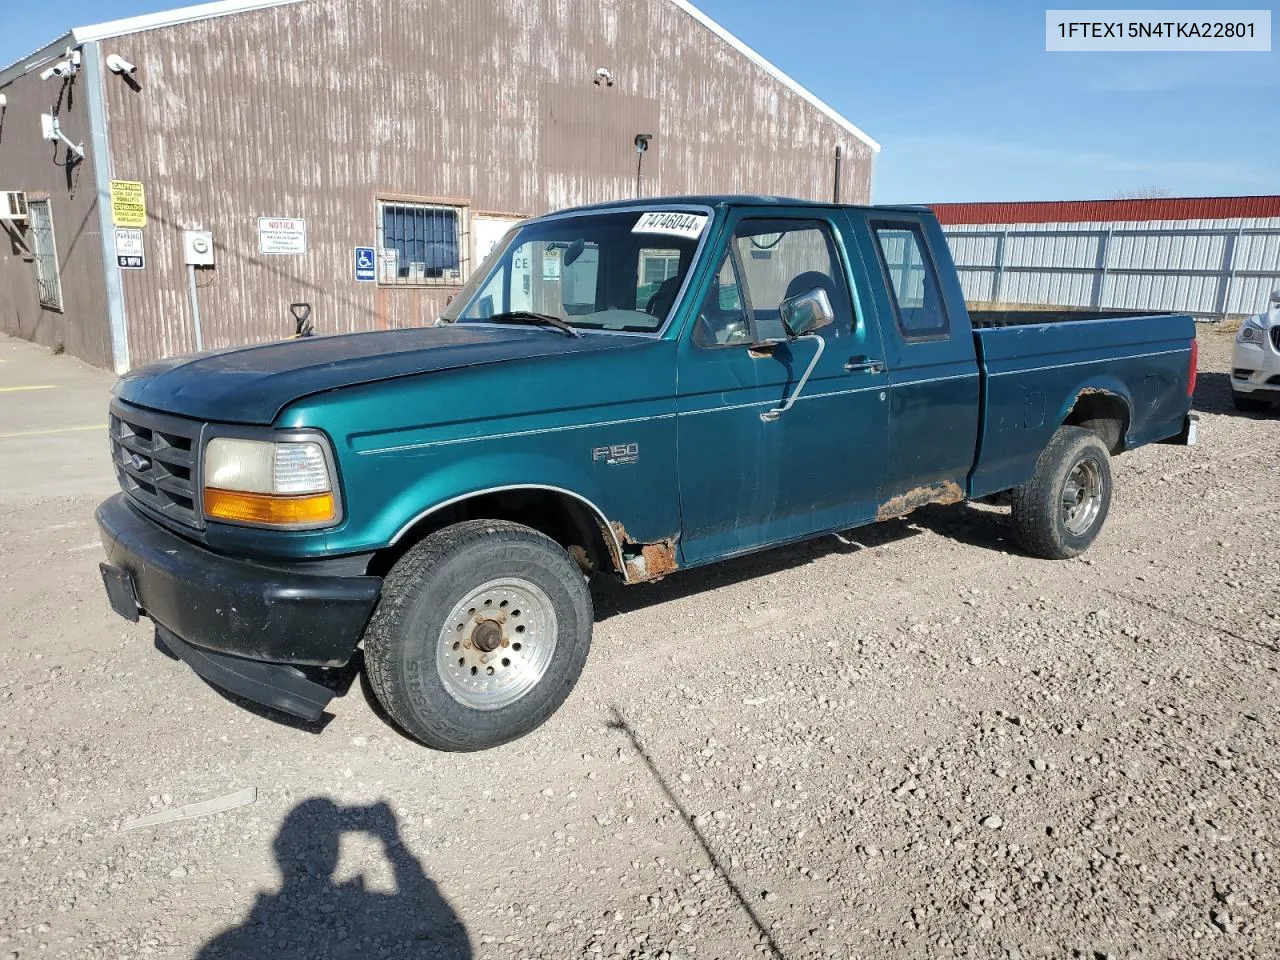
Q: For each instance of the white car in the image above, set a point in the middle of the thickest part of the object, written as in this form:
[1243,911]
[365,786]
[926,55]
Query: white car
[1255,361]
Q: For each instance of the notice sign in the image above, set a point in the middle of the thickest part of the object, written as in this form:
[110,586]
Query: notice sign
[128,204]
[282,236]
[551,265]
[672,224]
[129,252]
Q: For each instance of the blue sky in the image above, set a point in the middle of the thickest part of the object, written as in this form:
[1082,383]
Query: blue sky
[963,97]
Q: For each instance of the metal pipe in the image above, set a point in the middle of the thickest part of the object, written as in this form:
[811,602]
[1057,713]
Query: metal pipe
[835,192]
[195,306]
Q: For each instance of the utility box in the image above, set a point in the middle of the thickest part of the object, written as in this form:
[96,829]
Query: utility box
[197,248]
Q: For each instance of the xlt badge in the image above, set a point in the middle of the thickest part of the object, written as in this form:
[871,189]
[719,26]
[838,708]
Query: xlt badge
[617,453]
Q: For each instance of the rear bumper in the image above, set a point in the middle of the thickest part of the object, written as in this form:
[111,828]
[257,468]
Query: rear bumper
[220,608]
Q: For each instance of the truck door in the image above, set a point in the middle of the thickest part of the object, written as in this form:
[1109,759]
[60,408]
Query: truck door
[934,387]
[749,478]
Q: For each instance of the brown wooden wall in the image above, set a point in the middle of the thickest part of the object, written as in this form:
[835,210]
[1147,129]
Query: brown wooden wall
[33,165]
[316,109]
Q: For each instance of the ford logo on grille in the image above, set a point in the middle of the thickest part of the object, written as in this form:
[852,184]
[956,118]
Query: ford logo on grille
[138,462]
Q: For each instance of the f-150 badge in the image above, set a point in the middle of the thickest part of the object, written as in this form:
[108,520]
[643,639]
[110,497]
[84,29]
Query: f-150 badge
[617,453]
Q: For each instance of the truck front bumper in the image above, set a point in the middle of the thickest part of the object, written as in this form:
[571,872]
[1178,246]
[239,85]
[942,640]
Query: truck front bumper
[243,626]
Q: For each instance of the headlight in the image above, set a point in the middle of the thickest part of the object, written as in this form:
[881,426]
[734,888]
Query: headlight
[1250,332]
[272,483]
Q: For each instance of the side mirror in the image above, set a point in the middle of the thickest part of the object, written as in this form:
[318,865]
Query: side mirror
[806,312]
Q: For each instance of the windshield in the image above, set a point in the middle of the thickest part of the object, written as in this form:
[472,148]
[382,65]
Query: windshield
[605,271]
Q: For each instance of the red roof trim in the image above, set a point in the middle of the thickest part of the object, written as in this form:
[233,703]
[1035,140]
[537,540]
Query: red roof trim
[1094,211]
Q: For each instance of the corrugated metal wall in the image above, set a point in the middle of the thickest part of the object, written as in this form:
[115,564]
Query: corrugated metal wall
[315,110]
[1109,211]
[31,164]
[1210,268]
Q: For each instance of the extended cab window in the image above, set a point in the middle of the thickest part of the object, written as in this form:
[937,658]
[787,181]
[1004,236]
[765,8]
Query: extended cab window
[917,297]
[779,259]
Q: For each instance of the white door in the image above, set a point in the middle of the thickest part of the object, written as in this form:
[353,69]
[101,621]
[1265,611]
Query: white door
[488,232]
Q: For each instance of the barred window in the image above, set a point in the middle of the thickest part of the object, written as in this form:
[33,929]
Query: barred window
[420,243]
[46,253]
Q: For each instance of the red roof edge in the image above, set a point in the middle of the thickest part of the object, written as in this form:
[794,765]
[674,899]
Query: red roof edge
[1094,211]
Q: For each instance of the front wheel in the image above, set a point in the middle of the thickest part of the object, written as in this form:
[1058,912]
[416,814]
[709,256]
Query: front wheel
[481,633]
[1059,512]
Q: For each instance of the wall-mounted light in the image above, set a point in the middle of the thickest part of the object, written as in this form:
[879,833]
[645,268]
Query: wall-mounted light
[642,145]
[118,64]
[604,75]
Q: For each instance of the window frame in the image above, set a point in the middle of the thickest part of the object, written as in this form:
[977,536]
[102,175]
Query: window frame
[461,210]
[835,250]
[53,300]
[916,229]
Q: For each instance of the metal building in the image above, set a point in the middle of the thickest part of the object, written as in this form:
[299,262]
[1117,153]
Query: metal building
[360,156]
[1213,257]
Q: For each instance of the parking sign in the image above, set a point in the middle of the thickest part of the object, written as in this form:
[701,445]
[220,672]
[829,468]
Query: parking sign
[365,267]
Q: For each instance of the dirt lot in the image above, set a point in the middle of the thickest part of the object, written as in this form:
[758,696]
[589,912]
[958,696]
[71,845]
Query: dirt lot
[918,744]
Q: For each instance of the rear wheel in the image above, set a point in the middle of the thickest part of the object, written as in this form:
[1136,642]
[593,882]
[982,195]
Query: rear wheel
[1059,512]
[1248,404]
[481,633]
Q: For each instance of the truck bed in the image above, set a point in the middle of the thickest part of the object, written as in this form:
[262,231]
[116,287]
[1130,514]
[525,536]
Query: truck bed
[1037,369]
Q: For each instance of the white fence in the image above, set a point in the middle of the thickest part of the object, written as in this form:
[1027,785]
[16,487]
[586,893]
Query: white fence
[1212,269]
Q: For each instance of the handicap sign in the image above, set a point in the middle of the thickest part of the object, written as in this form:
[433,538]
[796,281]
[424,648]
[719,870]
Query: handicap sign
[365,264]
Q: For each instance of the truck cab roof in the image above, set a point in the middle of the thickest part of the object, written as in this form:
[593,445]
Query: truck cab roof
[733,200]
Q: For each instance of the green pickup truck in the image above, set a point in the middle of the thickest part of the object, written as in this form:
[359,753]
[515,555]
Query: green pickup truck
[626,390]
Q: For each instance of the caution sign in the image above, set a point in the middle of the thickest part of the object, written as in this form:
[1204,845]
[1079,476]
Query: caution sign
[128,204]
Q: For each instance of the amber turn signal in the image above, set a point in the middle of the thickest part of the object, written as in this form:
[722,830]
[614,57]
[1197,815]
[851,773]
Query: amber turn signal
[263,508]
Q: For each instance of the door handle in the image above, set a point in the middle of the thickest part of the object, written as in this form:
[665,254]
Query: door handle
[863,365]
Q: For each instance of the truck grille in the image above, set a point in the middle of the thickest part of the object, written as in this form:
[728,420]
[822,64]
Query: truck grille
[155,461]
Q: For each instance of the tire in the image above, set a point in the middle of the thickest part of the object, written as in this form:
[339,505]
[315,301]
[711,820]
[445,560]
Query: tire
[1076,464]
[515,659]
[1248,404]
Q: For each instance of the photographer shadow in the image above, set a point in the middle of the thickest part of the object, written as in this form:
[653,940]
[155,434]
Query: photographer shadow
[316,918]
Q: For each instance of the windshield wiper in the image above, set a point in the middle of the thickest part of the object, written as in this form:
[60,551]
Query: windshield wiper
[528,316]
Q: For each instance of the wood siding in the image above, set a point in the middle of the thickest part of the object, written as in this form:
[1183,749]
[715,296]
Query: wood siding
[33,165]
[316,109]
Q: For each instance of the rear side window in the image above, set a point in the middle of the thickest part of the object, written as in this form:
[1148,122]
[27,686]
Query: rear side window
[913,282]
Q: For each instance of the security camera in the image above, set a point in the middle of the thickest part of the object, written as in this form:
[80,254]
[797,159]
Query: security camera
[63,68]
[118,64]
[4,101]
[603,75]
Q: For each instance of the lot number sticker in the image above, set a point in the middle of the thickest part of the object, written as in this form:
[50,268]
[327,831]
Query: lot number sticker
[671,224]
[129,251]
[282,235]
[128,204]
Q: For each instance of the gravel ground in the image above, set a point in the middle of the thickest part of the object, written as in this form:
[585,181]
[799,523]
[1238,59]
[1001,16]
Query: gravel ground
[918,743]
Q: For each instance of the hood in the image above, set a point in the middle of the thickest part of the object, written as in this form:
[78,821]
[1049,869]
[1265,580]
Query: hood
[252,385]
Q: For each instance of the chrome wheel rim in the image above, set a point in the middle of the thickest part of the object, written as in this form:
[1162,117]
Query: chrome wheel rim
[1082,497]
[497,643]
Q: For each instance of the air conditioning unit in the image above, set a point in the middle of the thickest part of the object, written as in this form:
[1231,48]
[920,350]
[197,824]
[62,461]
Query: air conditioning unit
[13,205]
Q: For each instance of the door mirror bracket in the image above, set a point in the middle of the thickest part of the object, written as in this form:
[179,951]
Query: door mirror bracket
[771,415]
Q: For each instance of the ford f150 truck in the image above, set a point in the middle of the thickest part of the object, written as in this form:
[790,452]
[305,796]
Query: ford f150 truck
[628,389]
